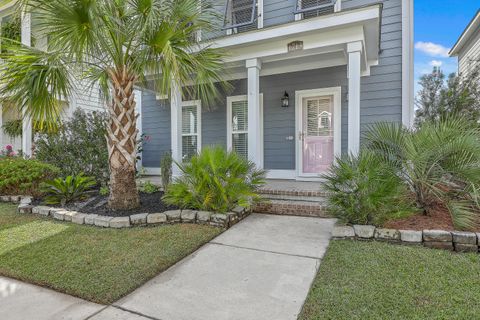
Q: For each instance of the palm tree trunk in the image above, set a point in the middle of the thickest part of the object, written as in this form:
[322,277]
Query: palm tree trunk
[122,142]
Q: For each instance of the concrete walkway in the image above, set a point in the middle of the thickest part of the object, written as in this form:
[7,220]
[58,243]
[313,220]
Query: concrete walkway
[262,268]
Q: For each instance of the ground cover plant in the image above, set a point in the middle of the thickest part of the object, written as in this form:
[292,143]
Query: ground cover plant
[68,189]
[375,280]
[100,265]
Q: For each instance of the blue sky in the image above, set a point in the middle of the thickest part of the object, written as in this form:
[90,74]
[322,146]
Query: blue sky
[438,24]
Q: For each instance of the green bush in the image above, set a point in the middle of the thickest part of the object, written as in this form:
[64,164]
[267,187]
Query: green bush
[21,176]
[79,146]
[362,190]
[440,163]
[72,188]
[104,191]
[215,180]
[148,187]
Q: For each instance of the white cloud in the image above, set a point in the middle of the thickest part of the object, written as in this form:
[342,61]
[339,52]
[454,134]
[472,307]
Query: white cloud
[432,49]
[436,63]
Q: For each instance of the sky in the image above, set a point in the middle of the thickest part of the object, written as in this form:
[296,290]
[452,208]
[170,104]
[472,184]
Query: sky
[438,25]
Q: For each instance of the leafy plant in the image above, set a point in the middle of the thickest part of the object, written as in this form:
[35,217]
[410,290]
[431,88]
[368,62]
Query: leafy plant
[166,170]
[104,191]
[69,189]
[362,190]
[148,187]
[215,180]
[21,176]
[13,128]
[79,146]
[439,162]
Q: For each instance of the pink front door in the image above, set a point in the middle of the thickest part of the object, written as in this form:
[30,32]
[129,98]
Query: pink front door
[317,134]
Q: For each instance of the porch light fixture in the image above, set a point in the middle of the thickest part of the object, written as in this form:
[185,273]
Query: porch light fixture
[285,100]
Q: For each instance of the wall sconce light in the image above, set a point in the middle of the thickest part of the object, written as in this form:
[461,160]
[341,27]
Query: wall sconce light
[285,100]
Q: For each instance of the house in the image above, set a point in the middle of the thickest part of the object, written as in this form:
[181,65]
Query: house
[308,78]
[467,48]
[84,98]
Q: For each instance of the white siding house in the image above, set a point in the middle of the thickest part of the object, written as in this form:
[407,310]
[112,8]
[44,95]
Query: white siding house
[467,48]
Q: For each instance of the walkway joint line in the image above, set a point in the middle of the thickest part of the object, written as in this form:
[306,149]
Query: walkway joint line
[135,312]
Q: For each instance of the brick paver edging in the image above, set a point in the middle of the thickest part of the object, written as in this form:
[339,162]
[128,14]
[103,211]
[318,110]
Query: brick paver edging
[440,239]
[224,220]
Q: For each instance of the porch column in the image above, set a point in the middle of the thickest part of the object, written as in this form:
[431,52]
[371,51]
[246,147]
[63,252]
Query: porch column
[176,126]
[26,36]
[138,107]
[254,112]
[354,50]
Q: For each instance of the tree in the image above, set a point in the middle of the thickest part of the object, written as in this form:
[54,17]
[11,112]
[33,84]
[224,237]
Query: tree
[458,95]
[116,44]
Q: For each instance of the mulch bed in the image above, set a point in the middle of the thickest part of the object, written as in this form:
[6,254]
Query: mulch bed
[439,219]
[97,204]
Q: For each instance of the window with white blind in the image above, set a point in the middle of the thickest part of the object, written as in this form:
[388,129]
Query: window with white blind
[191,129]
[237,128]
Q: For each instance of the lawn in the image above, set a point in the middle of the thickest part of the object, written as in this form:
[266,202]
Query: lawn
[99,265]
[372,280]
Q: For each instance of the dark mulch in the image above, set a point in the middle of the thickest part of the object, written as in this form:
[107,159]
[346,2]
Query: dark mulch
[149,203]
[438,219]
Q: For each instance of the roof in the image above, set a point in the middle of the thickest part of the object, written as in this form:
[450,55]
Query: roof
[467,34]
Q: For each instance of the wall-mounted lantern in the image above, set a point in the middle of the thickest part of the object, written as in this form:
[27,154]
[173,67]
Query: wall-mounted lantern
[285,100]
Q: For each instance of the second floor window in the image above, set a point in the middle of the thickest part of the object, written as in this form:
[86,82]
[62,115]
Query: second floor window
[314,8]
[240,15]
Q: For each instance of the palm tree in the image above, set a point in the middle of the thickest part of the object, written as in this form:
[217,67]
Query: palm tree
[116,44]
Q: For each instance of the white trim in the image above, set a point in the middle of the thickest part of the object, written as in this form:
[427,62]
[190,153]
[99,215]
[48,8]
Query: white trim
[259,14]
[466,35]
[230,100]
[336,92]
[282,174]
[198,104]
[27,130]
[152,171]
[338,6]
[354,52]
[407,64]
[176,126]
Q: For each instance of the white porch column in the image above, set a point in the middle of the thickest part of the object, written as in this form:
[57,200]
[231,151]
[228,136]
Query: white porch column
[2,144]
[176,126]
[354,51]
[254,112]
[26,36]
[138,108]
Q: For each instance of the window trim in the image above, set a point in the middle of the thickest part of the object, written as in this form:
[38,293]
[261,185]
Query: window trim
[198,104]
[243,97]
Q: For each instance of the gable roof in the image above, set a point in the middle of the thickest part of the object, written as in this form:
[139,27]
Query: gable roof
[467,34]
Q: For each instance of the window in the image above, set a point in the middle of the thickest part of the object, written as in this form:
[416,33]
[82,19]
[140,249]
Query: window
[314,8]
[191,128]
[240,15]
[237,124]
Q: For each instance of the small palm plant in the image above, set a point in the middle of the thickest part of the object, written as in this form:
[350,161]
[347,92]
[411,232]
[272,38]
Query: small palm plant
[440,162]
[117,44]
[72,188]
[215,180]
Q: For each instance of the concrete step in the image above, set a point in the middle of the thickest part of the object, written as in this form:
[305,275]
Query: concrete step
[319,199]
[294,208]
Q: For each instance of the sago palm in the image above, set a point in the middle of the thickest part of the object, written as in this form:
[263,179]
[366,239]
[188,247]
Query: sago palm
[440,162]
[116,44]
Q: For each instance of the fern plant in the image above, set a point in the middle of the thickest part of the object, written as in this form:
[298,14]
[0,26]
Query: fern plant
[362,190]
[215,180]
[72,188]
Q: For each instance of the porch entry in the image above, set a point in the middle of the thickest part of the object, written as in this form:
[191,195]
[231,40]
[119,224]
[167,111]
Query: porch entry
[318,131]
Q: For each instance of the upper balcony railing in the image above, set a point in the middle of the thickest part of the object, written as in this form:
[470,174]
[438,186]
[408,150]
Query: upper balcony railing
[314,8]
[240,15]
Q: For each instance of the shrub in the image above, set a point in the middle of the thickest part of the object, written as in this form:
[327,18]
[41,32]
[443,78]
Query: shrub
[79,146]
[166,170]
[104,191]
[362,190]
[72,188]
[21,176]
[439,161]
[215,180]
[148,187]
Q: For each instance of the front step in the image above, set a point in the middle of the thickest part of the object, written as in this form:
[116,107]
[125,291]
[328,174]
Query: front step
[292,207]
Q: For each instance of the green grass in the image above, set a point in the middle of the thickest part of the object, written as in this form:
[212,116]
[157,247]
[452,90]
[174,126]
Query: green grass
[372,280]
[99,265]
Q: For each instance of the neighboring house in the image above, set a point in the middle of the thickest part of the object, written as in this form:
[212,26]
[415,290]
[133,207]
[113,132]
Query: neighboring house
[467,48]
[84,98]
[308,77]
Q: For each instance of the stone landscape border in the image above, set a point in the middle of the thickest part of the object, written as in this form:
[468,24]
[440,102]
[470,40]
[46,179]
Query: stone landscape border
[223,220]
[459,241]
